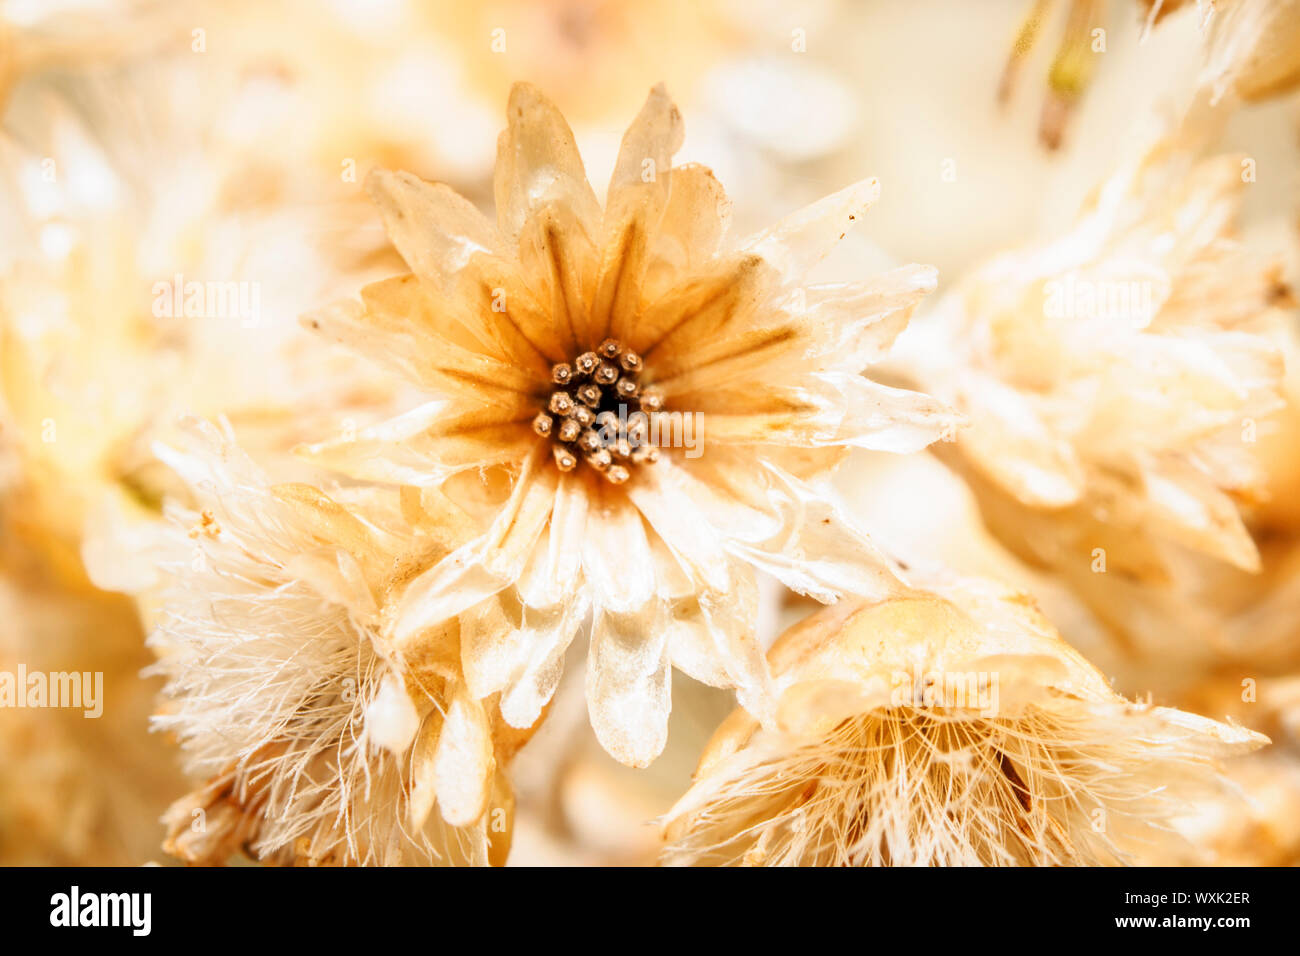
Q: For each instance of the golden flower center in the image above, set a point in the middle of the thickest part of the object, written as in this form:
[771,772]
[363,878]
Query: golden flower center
[599,412]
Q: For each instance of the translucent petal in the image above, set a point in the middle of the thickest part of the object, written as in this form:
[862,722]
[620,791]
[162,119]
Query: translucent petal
[481,568]
[435,229]
[429,444]
[538,163]
[801,240]
[690,231]
[628,682]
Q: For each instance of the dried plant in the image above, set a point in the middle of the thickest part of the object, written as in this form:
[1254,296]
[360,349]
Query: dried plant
[587,354]
[944,728]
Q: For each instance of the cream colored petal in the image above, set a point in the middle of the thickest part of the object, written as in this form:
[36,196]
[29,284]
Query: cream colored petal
[546,635]
[628,695]
[801,240]
[538,163]
[635,204]
[435,229]
[666,496]
[882,418]
[690,231]
[1011,444]
[616,559]
[711,633]
[524,660]
[1187,506]
[481,568]
[629,692]
[429,444]
[856,323]
[391,719]
[555,603]
[835,408]
[491,640]
[783,526]
[644,162]
[394,328]
[463,764]
[701,309]
[558,253]
[424,792]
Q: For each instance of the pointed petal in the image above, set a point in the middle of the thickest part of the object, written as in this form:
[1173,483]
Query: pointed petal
[396,325]
[435,229]
[801,240]
[638,195]
[701,309]
[481,568]
[690,231]
[429,444]
[538,163]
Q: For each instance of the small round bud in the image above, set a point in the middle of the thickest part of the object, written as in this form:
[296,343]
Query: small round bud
[569,430]
[626,388]
[617,474]
[589,395]
[607,374]
[609,349]
[583,415]
[651,400]
[586,363]
[561,403]
[600,459]
[630,361]
[542,424]
[562,374]
[589,441]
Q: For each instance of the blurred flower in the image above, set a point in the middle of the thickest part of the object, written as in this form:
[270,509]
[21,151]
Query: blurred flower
[1252,48]
[1116,377]
[655,406]
[317,742]
[938,728]
[146,280]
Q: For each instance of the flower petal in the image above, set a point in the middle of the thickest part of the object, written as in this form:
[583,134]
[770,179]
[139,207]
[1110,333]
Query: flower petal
[488,564]
[436,230]
[629,692]
[429,444]
[801,240]
[538,163]
[463,764]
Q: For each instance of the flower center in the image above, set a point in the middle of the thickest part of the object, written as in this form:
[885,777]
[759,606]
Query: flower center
[600,413]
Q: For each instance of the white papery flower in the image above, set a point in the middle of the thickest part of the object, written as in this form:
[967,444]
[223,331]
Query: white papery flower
[541,334]
[315,741]
[1115,377]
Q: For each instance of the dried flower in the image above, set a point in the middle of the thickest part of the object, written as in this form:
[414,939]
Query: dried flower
[719,387]
[1115,378]
[1252,48]
[947,727]
[316,741]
